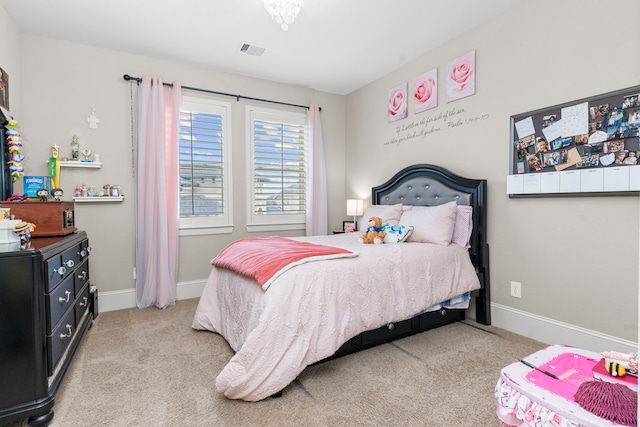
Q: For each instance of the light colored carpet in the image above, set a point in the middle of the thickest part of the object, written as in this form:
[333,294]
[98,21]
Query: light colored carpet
[149,368]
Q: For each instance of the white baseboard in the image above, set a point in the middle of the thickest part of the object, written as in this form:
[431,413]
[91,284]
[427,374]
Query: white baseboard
[545,330]
[126,298]
[192,289]
[550,331]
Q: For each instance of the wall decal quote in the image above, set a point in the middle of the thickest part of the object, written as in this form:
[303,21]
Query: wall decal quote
[426,125]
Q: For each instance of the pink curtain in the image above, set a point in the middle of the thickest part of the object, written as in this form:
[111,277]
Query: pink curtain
[316,217]
[157,193]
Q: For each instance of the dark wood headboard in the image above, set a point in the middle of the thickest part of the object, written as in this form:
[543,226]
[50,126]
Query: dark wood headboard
[430,185]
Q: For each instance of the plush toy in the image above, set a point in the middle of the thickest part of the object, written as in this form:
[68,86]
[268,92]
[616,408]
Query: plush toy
[615,369]
[374,233]
[618,364]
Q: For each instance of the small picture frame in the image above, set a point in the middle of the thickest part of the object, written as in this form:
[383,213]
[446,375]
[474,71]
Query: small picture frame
[349,226]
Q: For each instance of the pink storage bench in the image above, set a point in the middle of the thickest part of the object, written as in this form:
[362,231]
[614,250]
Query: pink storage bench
[529,398]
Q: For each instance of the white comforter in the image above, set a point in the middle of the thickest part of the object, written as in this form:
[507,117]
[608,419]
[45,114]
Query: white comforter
[312,309]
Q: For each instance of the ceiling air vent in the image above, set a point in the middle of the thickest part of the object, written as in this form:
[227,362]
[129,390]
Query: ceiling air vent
[252,50]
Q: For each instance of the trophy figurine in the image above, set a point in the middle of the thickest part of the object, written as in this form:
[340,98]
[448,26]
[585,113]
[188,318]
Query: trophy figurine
[86,153]
[75,147]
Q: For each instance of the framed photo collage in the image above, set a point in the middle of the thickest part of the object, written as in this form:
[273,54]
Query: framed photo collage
[597,132]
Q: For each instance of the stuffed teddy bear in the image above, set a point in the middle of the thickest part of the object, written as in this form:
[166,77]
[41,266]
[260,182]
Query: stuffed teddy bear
[374,233]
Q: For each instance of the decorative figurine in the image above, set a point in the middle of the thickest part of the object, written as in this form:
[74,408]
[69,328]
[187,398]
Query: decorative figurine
[15,144]
[57,193]
[86,153]
[75,148]
[54,166]
[42,194]
[23,230]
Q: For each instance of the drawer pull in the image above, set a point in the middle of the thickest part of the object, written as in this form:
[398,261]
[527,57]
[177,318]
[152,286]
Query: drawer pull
[84,303]
[61,271]
[68,335]
[69,263]
[82,275]
[83,253]
[65,300]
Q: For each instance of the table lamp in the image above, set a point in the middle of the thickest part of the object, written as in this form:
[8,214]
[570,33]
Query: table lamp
[355,207]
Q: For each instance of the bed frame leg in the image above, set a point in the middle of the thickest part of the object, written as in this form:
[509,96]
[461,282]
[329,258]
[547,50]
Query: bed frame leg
[277,395]
[483,307]
[483,310]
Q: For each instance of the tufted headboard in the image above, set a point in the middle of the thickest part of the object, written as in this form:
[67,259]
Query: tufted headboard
[430,185]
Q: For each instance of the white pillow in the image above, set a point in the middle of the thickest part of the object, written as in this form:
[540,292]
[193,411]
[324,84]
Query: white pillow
[390,214]
[431,224]
[463,226]
[396,233]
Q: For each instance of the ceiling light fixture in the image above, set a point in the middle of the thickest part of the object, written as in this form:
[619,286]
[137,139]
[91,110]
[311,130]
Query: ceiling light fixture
[283,11]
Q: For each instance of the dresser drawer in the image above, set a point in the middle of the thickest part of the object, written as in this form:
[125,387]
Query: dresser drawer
[54,272]
[58,302]
[82,303]
[60,266]
[383,333]
[60,339]
[84,249]
[81,276]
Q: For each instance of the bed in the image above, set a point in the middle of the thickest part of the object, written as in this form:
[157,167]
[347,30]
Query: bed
[320,310]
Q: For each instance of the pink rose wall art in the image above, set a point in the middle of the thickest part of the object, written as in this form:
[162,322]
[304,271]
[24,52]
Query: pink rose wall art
[461,76]
[425,91]
[398,103]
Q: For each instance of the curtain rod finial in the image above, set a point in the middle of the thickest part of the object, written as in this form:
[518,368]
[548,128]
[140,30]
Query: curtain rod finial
[127,77]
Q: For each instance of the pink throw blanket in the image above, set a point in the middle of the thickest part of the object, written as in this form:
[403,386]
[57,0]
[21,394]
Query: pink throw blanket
[265,258]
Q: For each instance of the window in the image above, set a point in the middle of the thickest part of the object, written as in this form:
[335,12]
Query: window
[204,163]
[278,167]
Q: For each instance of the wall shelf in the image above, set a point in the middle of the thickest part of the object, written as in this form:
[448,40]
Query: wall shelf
[98,199]
[79,164]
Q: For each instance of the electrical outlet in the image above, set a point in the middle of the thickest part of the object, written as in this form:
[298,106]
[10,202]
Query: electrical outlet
[516,289]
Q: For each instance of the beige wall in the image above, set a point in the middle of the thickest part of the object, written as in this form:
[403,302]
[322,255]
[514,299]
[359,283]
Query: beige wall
[576,257]
[66,80]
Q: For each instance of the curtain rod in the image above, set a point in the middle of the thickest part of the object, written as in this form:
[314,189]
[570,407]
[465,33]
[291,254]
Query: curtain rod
[127,77]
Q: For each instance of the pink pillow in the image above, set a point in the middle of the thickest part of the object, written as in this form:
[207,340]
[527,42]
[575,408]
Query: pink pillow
[431,224]
[390,214]
[463,226]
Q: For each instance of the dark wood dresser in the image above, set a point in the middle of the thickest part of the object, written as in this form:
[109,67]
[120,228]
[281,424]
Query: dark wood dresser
[44,313]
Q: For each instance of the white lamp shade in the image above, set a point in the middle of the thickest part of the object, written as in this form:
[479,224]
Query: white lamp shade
[355,207]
